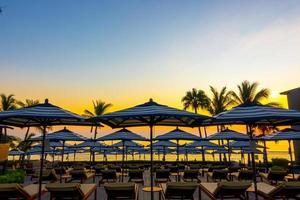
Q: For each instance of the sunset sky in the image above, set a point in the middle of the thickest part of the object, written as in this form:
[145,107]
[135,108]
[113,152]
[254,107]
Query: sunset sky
[125,52]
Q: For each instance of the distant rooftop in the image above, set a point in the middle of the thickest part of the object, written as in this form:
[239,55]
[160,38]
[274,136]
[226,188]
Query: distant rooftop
[289,91]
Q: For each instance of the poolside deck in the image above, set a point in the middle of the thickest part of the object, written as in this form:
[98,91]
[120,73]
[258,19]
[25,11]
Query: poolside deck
[101,195]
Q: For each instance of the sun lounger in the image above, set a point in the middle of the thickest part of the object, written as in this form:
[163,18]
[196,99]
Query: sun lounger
[191,175]
[115,191]
[49,175]
[218,174]
[284,190]
[179,190]
[108,176]
[17,191]
[243,175]
[81,175]
[223,190]
[77,191]
[136,176]
[273,176]
[162,175]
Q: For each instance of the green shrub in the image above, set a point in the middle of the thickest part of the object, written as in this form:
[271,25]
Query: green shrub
[280,162]
[13,176]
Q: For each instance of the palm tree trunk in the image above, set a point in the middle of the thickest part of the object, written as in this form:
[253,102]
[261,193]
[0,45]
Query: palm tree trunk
[199,128]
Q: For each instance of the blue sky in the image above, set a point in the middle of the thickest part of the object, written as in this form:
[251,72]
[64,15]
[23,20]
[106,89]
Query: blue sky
[125,52]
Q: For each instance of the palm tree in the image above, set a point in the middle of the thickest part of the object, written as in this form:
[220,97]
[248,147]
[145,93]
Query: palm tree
[248,94]
[25,144]
[220,101]
[28,103]
[195,99]
[7,102]
[100,108]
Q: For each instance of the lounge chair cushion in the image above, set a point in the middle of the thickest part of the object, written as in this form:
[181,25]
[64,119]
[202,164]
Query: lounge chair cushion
[64,187]
[285,186]
[239,185]
[9,187]
[181,185]
[87,189]
[119,186]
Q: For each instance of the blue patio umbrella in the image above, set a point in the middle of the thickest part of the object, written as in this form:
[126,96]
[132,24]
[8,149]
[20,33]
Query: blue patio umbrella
[126,138]
[15,152]
[162,145]
[43,115]
[252,115]
[62,135]
[285,134]
[228,135]
[149,114]
[203,144]
[91,144]
[177,135]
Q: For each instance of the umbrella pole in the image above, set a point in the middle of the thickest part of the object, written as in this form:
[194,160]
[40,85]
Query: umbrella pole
[62,160]
[42,163]
[203,155]
[151,161]
[177,179]
[265,154]
[253,162]
[291,158]
[228,149]
[123,157]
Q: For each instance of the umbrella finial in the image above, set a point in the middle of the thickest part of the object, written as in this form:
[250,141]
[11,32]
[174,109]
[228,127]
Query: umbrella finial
[46,101]
[150,100]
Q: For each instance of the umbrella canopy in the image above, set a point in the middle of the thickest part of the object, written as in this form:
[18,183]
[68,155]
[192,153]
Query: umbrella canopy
[257,114]
[4,126]
[164,143]
[62,135]
[126,144]
[38,151]
[243,145]
[122,134]
[249,150]
[44,115]
[202,143]
[177,134]
[149,114]
[286,134]
[253,114]
[53,144]
[228,134]
[15,152]
[89,143]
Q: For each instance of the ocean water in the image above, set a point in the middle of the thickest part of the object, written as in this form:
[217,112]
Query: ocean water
[169,157]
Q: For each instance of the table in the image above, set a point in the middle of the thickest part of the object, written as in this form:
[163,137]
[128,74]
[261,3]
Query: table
[155,189]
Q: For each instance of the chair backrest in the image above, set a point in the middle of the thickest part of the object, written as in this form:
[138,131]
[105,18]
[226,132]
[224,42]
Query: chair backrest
[162,173]
[109,174]
[180,190]
[220,174]
[277,175]
[12,190]
[287,189]
[65,190]
[231,189]
[120,190]
[191,173]
[136,174]
[245,175]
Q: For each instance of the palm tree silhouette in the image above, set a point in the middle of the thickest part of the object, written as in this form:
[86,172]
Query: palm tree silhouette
[220,101]
[248,94]
[195,99]
[28,103]
[100,108]
[7,102]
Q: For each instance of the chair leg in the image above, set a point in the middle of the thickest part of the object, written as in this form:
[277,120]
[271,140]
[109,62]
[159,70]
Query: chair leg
[95,195]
